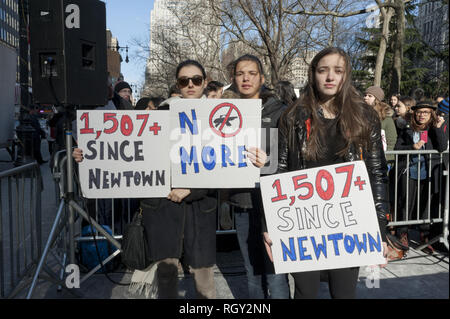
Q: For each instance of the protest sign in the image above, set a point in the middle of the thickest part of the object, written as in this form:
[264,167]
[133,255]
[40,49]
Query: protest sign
[209,141]
[322,218]
[126,153]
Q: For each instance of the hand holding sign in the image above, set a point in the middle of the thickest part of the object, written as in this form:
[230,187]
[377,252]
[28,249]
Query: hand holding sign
[321,218]
[215,143]
[117,154]
[177,195]
[268,244]
[77,155]
[257,156]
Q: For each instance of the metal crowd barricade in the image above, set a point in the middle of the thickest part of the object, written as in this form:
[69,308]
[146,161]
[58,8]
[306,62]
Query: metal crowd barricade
[119,216]
[439,215]
[59,169]
[20,226]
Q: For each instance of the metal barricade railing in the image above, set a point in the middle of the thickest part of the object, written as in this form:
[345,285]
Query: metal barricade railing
[20,225]
[435,208]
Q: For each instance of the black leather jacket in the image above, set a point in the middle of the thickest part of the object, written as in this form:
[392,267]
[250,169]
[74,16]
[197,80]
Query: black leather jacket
[291,159]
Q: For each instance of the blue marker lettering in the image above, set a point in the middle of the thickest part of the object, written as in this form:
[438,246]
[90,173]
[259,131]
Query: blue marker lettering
[184,119]
[192,158]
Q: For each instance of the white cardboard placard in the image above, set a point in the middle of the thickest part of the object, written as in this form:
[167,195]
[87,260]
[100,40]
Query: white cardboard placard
[126,153]
[209,139]
[322,218]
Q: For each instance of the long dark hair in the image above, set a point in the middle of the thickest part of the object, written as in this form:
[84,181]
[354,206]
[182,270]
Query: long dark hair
[416,127]
[190,62]
[285,91]
[350,109]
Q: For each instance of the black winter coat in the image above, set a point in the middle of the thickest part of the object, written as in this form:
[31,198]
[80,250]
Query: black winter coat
[374,158]
[272,109]
[437,140]
[188,227]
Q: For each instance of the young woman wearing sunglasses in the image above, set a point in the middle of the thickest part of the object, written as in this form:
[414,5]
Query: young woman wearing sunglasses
[184,223]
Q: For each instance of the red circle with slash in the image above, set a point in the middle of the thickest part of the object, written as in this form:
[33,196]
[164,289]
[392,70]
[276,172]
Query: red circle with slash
[218,124]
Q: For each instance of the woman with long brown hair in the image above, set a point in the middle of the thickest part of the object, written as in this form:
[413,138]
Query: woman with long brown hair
[331,124]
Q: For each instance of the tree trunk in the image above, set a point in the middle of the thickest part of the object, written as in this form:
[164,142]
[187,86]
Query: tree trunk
[387,14]
[398,52]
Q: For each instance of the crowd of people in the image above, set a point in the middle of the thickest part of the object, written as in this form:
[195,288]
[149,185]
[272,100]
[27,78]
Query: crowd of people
[329,123]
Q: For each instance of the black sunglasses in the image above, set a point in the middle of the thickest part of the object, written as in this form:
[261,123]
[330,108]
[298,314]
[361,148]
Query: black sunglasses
[197,80]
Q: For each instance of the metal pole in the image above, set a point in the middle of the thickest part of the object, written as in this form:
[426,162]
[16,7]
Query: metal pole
[96,225]
[46,250]
[445,222]
[70,193]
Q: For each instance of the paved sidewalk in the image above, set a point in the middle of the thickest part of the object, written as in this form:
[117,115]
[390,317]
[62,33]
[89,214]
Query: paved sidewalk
[418,276]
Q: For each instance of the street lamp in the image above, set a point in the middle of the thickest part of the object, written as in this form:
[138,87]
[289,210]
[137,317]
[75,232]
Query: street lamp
[118,48]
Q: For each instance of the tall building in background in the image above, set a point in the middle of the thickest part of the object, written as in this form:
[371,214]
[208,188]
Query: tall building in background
[9,76]
[433,25]
[299,69]
[9,23]
[180,30]
[113,55]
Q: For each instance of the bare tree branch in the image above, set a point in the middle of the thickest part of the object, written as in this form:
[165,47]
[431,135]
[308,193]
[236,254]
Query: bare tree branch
[303,11]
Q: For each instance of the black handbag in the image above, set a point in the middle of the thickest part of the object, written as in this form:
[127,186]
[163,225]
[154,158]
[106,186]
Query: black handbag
[134,244]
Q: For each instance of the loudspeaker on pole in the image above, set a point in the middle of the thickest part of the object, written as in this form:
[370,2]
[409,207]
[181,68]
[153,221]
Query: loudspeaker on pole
[68,52]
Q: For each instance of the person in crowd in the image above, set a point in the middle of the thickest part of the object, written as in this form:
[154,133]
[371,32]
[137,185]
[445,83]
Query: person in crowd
[285,91]
[424,132]
[418,94]
[144,104]
[312,135]
[185,221]
[248,79]
[37,134]
[374,97]
[439,99]
[148,103]
[124,90]
[439,198]
[403,112]
[230,93]
[122,96]
[394,100]
[402,118]
[174,91]
[214,90]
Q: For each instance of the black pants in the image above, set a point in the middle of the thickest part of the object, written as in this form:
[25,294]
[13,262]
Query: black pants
[341,282]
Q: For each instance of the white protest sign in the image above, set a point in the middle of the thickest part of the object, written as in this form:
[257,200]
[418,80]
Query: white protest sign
[322,218]
[126,153]
[209,141]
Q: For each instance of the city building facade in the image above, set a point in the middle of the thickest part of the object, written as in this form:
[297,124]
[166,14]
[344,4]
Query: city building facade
[113,56]
[299,69]
[9,86]
[9,23]
[433,25]
[180,30]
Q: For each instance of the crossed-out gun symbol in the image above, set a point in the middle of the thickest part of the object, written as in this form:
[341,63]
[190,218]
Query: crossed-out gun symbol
[221,119]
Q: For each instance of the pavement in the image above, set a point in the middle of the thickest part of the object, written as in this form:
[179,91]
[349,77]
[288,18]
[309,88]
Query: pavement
[418,276]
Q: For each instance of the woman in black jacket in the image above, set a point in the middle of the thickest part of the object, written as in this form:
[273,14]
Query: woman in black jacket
[425,131]
[331,124]
[262,282]
[184,223]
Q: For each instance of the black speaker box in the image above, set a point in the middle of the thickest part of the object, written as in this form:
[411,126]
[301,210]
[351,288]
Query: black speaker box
[68,52]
